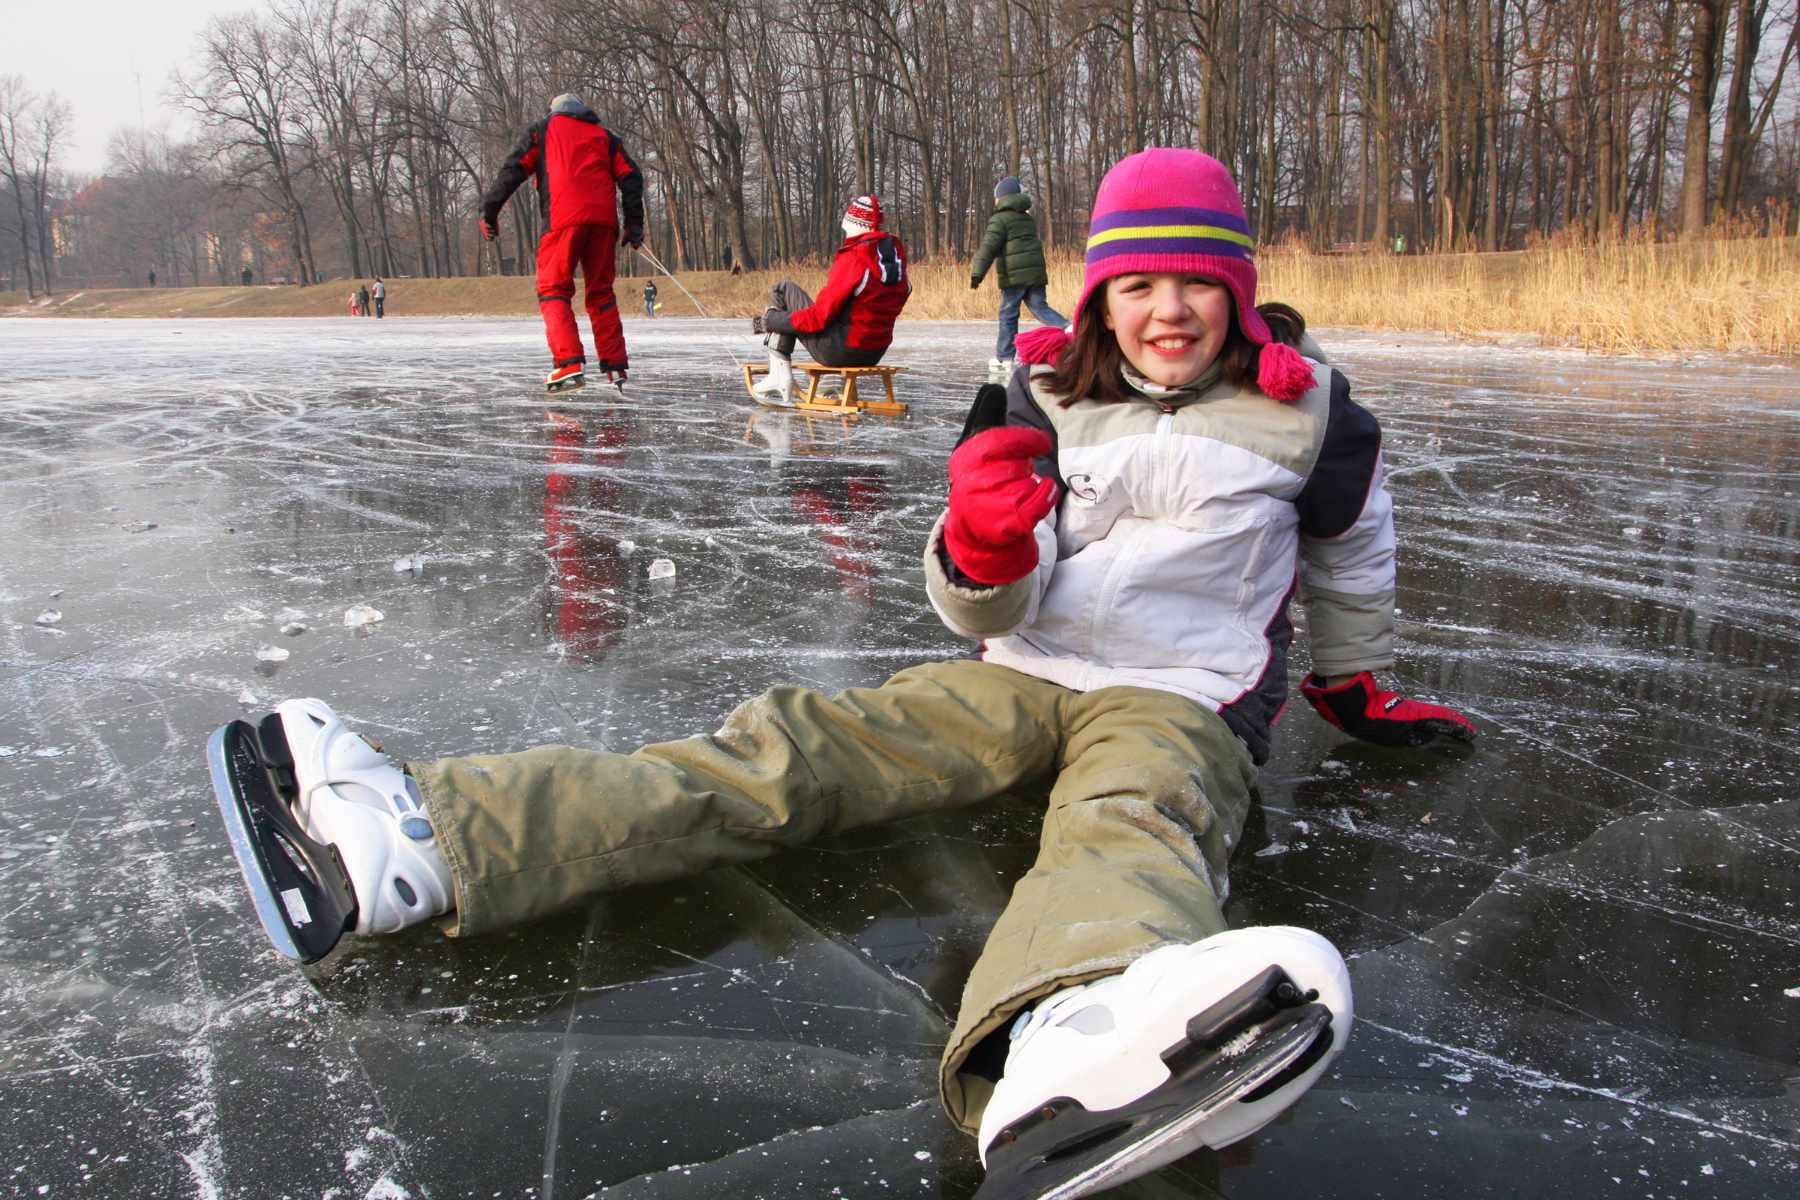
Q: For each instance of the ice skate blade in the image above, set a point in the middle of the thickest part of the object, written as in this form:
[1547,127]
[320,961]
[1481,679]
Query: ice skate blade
[1062,1151]
[573,383]
[299,890]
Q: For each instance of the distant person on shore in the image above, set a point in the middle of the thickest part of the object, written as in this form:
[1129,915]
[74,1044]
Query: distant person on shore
[379,292]
[153,279]
[851,324]
[578,163]
[354,311]
[649,297]
[247,277]
[362,300]
[1012,246]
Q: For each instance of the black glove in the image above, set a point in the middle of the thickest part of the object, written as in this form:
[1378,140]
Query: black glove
[772,320]
[633,236]
[1363,710]
[973,284]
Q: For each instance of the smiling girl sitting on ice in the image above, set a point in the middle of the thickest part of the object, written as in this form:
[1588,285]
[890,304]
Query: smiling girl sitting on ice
[1127,522]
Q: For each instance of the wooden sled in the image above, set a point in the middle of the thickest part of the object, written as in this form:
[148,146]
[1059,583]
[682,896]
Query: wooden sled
[845,400]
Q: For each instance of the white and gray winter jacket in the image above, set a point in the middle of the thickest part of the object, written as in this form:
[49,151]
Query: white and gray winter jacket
[1187,521]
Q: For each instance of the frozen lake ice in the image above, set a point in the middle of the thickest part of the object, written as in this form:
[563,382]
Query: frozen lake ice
[1576,950]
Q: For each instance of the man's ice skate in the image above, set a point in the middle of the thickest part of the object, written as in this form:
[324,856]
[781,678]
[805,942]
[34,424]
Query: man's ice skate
[1197,1045]
[778,384]
[615,375]
[330,833]
[565,378]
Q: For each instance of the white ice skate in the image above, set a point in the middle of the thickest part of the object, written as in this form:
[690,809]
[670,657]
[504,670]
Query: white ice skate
[1191,1046]
[330,833]
[1001,366]
[779,382]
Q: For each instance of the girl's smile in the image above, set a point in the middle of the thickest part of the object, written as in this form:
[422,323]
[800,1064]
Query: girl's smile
[1169,327]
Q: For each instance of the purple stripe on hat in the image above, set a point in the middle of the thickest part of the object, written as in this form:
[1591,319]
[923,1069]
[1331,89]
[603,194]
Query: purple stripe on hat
[1121,217]
[1213,247]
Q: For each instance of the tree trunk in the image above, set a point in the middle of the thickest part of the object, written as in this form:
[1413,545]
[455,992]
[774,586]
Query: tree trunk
[1008,90]
[1739,139]
[1702,83]
[1382,29]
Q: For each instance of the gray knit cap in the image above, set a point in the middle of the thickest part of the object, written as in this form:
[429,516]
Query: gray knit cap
[569,104]
[1007,187]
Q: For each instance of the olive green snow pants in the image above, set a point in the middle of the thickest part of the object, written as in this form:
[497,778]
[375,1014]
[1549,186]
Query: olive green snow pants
[1150,794]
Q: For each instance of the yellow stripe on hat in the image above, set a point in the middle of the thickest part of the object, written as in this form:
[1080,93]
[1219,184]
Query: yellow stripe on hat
[1172,231]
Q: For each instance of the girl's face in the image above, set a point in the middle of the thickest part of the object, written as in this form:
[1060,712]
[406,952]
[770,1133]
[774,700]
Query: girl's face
[1169,327]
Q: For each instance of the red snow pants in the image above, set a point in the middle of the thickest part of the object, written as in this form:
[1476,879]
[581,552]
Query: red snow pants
[560,251]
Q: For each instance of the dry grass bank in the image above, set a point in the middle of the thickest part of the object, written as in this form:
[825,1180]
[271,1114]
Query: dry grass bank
[1720,294]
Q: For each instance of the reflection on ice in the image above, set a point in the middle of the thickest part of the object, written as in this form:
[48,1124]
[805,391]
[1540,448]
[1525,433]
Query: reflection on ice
[1576,952]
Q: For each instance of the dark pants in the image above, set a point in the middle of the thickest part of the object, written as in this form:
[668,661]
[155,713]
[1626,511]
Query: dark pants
[828,346]
[1032,295]
[380,304]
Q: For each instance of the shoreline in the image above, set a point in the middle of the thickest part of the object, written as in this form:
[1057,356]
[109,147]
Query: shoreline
[1729,297]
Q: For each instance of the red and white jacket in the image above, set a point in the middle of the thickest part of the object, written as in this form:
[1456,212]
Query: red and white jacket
[868,278]
[1189,518]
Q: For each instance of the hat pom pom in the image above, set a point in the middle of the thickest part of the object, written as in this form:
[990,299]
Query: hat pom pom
[1282,372]
[1042,345]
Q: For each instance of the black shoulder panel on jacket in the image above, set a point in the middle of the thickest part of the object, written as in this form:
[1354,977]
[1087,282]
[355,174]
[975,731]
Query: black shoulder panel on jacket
[631,187]
[1335,493]
[512,172]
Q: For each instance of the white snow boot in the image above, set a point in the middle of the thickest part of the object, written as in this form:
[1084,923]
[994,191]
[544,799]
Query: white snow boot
[1191,1046]
[779,381]
[357,799]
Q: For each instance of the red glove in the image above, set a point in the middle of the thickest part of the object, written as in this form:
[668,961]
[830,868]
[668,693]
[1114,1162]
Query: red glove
[1362,710]
[996,502]
[487,229]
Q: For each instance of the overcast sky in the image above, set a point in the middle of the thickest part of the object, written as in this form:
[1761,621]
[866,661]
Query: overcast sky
[97,53]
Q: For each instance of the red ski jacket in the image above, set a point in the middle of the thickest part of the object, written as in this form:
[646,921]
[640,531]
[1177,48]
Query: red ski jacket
[869,276]
[577,162]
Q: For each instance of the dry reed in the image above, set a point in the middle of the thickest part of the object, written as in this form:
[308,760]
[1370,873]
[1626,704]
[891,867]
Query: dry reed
[1722,292]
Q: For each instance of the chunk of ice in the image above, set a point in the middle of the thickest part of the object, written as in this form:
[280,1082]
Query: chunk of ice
[360,614]
[53,616]
[271,654]
[662,568]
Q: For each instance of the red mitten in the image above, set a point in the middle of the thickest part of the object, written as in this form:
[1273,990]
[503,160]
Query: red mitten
[1362,710]
[996,501]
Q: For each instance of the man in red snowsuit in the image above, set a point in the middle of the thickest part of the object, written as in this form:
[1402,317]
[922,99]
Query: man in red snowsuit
[852,321]
[578,163]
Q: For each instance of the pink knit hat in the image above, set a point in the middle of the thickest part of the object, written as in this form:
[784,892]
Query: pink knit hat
[1168,210]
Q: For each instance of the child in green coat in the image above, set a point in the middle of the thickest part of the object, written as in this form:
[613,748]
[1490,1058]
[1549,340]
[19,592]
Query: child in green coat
[1012,242]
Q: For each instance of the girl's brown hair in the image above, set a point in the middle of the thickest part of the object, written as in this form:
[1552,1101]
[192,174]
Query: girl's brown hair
[1092,363]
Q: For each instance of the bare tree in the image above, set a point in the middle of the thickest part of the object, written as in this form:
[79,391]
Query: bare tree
[243,89]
